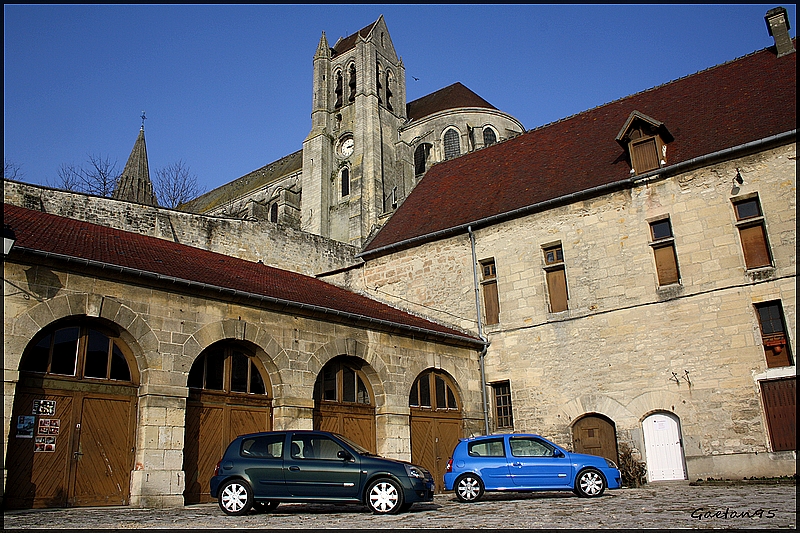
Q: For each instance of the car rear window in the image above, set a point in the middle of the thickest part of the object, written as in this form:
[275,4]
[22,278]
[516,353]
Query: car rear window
[264,446]
[486,448]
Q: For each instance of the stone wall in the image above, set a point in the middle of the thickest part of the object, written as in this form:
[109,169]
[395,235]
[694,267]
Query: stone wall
[274,244]
[614,351]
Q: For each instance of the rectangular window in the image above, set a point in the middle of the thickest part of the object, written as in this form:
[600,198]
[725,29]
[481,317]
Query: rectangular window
[556,275]
[663,244]
[752,231]
[773,334]
[644,155]
[502,404]
[491,299]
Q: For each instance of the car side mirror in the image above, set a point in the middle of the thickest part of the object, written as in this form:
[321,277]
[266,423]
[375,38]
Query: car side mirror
[344,455]
[559,453]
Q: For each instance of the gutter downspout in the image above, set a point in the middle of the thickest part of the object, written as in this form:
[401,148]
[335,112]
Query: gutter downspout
[485,348]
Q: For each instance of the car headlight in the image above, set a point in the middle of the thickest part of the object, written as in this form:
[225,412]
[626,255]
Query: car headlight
[611,464]
[414,471]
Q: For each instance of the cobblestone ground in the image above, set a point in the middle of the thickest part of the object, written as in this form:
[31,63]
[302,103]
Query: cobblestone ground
[660,506]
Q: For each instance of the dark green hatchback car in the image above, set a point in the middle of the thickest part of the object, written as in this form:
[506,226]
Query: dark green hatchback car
[261,470]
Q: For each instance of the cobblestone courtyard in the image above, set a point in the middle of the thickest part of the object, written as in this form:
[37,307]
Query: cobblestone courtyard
[661,506]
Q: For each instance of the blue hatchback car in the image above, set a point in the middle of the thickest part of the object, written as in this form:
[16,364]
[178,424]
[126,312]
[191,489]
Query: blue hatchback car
[522,463]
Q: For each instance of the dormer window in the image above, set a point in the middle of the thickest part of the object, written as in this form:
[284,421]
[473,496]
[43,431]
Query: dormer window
[645,139]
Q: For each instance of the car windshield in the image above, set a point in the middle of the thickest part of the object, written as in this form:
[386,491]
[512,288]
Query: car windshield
[357,447]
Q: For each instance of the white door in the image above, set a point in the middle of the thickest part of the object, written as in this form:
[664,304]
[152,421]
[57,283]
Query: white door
[664,447]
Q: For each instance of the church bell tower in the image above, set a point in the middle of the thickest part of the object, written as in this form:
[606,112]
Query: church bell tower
[355,169]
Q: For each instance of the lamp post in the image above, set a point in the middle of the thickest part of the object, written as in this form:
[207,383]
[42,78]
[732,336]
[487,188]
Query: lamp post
[9,238]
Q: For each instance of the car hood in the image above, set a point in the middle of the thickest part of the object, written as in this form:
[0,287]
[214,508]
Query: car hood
[585,458]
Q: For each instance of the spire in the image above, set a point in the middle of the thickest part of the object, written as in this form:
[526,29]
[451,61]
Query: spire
[134,184]
[323,50]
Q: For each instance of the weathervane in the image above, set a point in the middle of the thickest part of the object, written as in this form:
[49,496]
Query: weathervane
[143,119]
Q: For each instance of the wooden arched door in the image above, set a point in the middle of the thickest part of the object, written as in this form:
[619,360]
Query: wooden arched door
[595,435]
[73,421]
[436,422]
[344,402]
[229,395]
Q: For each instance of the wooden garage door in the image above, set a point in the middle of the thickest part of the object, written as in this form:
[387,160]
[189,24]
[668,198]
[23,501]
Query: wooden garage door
[780,405]
[212,422]
[83,456]
[595,435]
[436,423]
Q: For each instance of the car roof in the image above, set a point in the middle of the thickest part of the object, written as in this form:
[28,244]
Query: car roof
[495,435]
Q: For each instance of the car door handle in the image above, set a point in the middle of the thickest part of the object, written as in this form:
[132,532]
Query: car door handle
[294,468]
[516,464]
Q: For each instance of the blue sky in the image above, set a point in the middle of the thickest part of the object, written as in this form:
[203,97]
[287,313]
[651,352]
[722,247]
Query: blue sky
[227,89]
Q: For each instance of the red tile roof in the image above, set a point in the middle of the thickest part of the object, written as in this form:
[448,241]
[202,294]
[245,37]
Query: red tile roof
[451,97]
[744,100]
[52,234]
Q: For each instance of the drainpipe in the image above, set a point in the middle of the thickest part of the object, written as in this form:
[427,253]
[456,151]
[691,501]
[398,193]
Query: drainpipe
[480,331]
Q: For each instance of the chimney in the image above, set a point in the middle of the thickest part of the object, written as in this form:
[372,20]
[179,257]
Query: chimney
[778,26]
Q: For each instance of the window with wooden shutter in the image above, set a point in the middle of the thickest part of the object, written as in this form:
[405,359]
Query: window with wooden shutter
[666,259]
[556,276]
[752,233]
[773,334]
[644,155]
[491,299]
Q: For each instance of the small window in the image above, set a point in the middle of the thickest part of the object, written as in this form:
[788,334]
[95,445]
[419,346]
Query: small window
[345,179]
[228,369]
[753,234]
[663,245]
[773,334]
[491,299]
[421,155]
[489,137]
[487,448]
[504,418]
[556,275]
[452,144]
[432,390]
[273,212]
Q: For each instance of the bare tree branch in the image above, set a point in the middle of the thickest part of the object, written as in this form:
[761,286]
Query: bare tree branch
[99,176]
[175,184]
[11,170]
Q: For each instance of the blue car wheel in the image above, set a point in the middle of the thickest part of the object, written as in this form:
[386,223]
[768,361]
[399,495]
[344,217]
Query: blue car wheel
[469,488]
[590,483]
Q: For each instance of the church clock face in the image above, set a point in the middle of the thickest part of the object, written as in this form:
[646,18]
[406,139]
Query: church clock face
[346,147]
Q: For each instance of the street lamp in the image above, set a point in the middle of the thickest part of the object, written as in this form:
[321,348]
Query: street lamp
[9,238]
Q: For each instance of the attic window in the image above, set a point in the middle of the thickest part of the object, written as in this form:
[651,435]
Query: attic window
[645,139]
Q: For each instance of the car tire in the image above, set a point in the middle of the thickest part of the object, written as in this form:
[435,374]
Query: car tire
[384,496]
[590,483]
[235,497]
[469,488]
[265,506]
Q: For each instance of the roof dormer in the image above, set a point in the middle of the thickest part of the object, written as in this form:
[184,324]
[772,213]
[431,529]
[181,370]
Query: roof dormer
[645,139]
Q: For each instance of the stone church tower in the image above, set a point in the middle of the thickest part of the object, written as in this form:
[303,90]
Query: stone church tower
[352,171]
[134,183]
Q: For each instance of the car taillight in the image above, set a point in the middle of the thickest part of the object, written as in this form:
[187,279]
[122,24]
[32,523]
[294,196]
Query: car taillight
[216,468]
[449,465]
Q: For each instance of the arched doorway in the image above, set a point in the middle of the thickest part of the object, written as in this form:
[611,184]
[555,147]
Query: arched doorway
[344,402]
[229,395]
[73,420]
[596,435]
[663,447]
[436,422]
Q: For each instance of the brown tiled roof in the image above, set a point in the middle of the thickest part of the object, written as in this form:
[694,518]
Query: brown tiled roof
[451,97]
[158,259]
[348,43]
[744,100]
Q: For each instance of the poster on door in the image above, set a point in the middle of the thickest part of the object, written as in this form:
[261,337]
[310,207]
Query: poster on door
[48,426]
[25,426]
[44,444]
[44,407]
